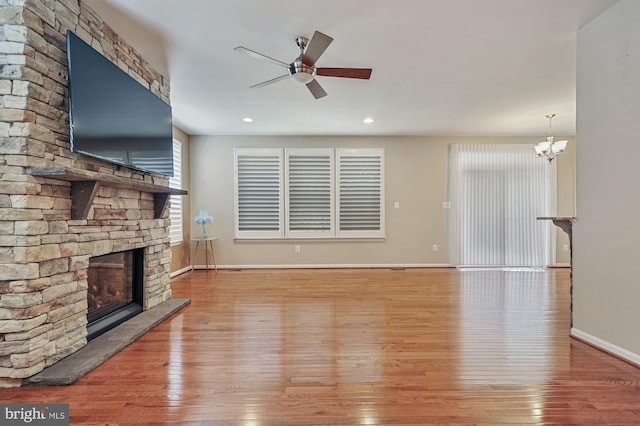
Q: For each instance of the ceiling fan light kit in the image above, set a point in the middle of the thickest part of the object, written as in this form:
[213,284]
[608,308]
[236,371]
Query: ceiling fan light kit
[303,69]
[301,73]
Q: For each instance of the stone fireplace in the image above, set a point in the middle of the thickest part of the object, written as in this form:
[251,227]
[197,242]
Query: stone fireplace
[59,210]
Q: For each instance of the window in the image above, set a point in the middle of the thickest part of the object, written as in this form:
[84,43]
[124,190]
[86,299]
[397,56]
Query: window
[360,192]
[258,193]
[309,193]
[175,211]
[497,191]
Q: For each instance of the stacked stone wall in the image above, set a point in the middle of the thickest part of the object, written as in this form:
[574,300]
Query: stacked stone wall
[44,254]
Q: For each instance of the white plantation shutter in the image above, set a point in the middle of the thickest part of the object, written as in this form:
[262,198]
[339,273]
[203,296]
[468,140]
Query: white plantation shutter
[360,192]
[175,211]
[259,202]
[150,160]
[309,193]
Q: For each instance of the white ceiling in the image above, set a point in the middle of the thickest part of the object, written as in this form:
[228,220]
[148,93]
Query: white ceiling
[440,67]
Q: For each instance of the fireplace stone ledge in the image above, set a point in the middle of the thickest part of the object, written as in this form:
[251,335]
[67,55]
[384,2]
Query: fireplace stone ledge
[70,369]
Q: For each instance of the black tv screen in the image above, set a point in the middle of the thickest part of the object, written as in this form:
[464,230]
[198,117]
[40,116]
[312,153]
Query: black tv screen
[112,116]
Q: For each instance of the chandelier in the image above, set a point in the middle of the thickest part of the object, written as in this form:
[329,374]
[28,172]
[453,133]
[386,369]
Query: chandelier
[550,149]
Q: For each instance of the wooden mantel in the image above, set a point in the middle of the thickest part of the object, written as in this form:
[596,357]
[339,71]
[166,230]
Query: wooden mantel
[84,186]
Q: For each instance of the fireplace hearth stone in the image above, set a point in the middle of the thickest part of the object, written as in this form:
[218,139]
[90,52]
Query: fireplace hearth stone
[72,368]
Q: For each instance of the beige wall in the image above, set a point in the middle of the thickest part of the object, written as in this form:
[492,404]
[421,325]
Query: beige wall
[416,177]
[607,248]
[180,253]
[565,197]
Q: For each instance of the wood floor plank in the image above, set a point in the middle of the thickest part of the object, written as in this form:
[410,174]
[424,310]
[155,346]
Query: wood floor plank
[352,347]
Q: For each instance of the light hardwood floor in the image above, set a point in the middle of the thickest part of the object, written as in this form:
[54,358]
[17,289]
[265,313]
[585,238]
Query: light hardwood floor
[359,347]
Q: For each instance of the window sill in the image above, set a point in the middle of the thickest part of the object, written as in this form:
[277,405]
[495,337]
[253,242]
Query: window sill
[309,240]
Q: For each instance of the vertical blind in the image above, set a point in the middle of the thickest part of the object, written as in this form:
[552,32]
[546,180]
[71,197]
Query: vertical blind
[175,211]
[497,191]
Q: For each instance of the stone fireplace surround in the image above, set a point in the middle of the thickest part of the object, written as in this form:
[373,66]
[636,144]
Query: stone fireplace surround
[57,208]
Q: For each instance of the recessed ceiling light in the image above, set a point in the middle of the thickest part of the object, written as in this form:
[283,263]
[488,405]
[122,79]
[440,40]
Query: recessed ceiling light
[247,120]
[368,120]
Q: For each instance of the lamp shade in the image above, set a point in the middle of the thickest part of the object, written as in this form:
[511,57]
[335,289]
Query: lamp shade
[559,146]
[542,148]
[203,217]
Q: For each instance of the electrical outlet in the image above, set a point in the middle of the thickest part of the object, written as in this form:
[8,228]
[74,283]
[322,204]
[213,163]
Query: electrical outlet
[296,249]
[396,205]
[446,204]
[565,247]
[435,247]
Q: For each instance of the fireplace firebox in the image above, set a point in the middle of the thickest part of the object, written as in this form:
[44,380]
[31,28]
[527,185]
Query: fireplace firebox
[114,295]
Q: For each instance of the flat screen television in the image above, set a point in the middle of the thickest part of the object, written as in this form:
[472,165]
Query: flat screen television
[112,116]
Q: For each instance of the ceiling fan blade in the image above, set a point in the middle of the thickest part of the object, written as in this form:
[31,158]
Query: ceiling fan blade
[318,44]
[363,73]
[316,90]
[257,55]
[268,82]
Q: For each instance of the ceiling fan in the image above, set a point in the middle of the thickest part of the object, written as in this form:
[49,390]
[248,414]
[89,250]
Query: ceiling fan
[303,68]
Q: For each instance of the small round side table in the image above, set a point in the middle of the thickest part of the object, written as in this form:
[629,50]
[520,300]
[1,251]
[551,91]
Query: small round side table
[208,245]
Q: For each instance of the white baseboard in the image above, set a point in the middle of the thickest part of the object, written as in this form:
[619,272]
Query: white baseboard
[330,266]
[607,346]
[180,271]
